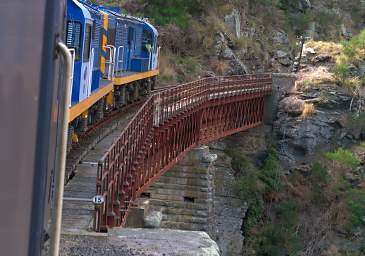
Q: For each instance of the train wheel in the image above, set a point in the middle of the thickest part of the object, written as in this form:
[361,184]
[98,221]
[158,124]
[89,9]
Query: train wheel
[136,87]
[84,122]
[120,96]
[100,110]
[153,83]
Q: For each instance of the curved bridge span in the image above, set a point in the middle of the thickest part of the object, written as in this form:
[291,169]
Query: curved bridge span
[169,124]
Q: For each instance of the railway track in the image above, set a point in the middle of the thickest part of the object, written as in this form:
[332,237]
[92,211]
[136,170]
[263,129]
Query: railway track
[97,133]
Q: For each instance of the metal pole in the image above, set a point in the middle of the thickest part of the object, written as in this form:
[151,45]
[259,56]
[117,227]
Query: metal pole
[61,150]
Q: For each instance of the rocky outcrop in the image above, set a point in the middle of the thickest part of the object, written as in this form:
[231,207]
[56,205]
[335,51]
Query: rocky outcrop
[224,50]
[300,137]
[140,242]
[233,22]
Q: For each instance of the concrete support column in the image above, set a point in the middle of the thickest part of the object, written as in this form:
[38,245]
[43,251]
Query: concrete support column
[282,84]
[183,197]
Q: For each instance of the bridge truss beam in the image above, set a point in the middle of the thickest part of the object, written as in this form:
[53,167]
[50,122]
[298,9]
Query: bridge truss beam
[168,125]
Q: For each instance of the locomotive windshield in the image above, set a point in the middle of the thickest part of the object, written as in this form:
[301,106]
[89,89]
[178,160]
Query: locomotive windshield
[147,41]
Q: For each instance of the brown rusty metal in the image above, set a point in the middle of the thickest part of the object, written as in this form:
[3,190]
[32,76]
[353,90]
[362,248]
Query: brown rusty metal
[167,126]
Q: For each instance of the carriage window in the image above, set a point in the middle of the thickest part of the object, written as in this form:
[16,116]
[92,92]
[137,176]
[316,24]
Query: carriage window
[73,37]
[86,54]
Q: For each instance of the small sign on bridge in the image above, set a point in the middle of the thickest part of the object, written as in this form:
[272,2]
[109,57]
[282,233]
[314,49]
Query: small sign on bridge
[98,199]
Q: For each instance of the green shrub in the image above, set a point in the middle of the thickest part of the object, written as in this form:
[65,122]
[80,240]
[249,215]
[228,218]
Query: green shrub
[355,202]
[342,185]
[271,172]
[248,187]
[353,53]
[280,236]
[356,121]
[343,156]
[287,214]
[341,72]
[240,162]
[255,211]
[298,22]
[177,12]
[319,174]
[318,178]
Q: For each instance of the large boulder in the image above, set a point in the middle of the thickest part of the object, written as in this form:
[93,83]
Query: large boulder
[304,5]
[153,219]
[292,106]
[280,38]
[283,58]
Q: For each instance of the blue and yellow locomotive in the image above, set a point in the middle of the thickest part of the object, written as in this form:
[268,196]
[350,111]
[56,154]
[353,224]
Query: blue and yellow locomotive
[115,60]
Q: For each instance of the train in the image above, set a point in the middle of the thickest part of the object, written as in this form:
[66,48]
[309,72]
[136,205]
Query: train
[115,61]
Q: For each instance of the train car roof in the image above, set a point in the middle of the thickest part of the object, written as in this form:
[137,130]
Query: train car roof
[84,10]
[136,19]
[150,26]
[116,11]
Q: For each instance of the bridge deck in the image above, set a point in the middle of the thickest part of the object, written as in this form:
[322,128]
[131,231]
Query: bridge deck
[78,209]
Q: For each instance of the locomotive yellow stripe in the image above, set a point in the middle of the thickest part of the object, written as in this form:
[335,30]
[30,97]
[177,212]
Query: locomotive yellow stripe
[102,65]
[84,105]
[104,41]
[106,21]
[138,76]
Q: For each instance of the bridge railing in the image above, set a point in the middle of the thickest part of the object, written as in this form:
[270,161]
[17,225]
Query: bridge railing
[169,123]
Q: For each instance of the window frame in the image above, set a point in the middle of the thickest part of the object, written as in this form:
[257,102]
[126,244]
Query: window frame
[77,50]
[86,51]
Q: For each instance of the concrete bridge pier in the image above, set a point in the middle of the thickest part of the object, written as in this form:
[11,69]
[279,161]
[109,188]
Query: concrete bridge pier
[283,84]
[182,198]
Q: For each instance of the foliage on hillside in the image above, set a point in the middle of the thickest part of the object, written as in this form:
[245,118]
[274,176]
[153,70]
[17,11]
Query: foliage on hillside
[188,30]
[293,214]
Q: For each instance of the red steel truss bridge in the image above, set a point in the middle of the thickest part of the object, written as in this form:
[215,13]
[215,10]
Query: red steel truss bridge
[166,127]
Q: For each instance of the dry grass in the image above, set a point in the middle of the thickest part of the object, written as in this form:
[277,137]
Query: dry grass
[309,110]
[328,48]
[218,66]
[167,68]
[314,76]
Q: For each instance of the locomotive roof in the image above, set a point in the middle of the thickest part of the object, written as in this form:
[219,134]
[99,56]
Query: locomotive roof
[85,11]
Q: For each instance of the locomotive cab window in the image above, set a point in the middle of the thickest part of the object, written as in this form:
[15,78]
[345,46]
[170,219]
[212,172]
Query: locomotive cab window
[73,37]
[86,54]
[146,41]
